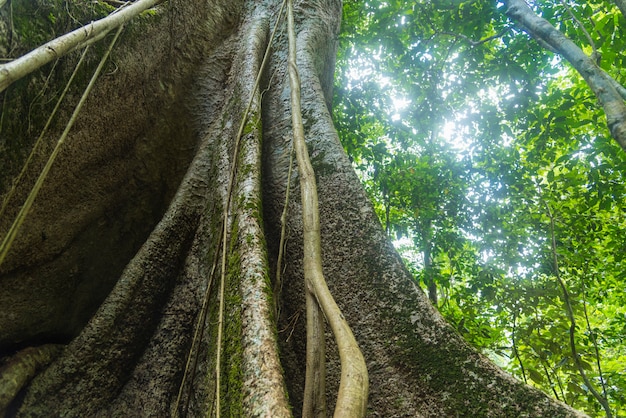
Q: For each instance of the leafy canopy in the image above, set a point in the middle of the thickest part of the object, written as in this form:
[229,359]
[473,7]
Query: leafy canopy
[490,164]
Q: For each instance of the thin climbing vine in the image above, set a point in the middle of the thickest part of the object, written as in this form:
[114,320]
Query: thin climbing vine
[21,216]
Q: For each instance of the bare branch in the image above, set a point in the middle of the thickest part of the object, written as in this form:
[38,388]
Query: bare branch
[60,46]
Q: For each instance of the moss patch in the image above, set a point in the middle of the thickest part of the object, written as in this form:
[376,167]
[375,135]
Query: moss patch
[232,389]
[231,377]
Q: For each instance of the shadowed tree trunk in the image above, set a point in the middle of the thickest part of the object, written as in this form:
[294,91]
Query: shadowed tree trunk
[113,263]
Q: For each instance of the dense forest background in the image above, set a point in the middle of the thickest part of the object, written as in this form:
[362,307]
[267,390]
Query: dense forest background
[487,154]
[491,166]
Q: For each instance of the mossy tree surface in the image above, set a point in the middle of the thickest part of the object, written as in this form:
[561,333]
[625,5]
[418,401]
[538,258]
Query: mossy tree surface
[115,258]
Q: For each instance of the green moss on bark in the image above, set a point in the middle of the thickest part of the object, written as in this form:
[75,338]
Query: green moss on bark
[231,386]
[453,369]
[232,391]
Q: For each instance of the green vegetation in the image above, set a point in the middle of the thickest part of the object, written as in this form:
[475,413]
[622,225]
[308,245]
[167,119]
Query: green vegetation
[232,390]
[37,22]
[490,163]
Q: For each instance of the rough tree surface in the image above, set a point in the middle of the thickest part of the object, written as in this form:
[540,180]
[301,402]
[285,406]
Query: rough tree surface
[115,258]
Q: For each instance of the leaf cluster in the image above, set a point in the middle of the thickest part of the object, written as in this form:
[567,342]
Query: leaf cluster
[471,138]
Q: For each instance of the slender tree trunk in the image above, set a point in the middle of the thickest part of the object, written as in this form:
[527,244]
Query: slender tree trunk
[428,272]
[144,179]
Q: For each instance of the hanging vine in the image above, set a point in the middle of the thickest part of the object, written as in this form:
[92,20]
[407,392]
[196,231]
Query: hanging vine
[354,385]
[19,220]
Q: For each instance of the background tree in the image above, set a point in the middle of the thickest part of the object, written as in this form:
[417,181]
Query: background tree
[525,136]
[114,286]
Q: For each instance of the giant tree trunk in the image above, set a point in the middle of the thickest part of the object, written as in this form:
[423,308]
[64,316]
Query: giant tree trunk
[116,258]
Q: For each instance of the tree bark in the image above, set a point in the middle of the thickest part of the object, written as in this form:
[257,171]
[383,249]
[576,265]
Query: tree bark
[16,69]
[144,179]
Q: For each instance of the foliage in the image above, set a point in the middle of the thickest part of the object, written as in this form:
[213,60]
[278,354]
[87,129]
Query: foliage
[471,141]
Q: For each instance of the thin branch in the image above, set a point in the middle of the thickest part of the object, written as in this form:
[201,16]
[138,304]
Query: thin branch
[593,338]
[595,53]
[473,42]
[60,46]
[570,314]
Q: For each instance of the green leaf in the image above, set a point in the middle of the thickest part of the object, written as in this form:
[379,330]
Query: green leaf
[536,376]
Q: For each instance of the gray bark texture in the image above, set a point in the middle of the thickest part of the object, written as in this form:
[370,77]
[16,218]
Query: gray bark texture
[117,255]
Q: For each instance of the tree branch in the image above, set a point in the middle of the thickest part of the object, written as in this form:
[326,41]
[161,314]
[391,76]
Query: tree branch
[601,83]
[583,29]
[20,67]
[354,384]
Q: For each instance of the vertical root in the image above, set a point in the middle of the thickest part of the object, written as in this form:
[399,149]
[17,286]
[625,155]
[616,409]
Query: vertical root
[354,385]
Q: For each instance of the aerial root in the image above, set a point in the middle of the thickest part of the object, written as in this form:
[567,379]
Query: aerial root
[354,385]
[21,368]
